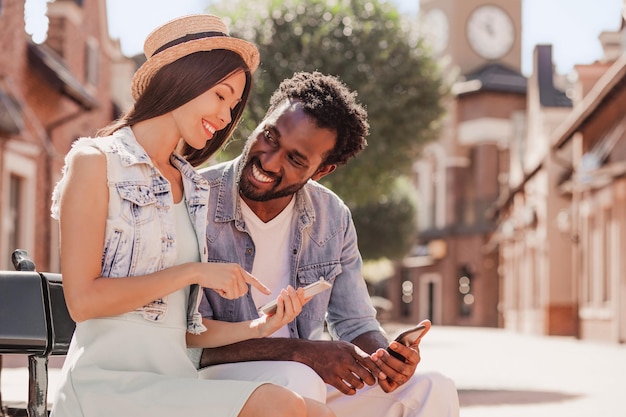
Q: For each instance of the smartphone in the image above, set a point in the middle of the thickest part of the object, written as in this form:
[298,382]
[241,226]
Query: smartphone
[309,291]
[410,337]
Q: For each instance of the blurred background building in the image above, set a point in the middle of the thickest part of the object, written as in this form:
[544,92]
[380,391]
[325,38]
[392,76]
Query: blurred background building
[50,94]
[522,199]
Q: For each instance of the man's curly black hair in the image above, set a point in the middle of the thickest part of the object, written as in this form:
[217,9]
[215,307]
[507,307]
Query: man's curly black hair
[333,106]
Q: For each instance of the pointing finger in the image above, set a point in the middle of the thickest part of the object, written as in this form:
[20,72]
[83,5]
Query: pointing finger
[250,279]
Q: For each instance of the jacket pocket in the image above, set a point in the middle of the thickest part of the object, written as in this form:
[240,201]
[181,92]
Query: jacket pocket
[316,308]
[137,201]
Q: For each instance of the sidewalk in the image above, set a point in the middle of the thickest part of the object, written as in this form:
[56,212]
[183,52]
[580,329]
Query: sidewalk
[504,374]
[498,373]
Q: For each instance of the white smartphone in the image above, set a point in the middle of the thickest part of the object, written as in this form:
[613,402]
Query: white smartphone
[409,337]
[309,291]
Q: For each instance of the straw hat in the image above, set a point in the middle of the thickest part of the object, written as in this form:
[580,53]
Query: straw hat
[186,35]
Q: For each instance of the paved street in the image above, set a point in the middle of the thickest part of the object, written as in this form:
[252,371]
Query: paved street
[498,373]
[503,374]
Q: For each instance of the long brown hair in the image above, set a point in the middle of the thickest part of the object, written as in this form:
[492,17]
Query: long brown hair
[180,82]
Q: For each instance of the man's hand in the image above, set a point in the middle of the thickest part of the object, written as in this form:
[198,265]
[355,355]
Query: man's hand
[341,364]
[394,371]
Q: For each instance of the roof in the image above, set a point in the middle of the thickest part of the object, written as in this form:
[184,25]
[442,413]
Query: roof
[52,67]
[497,77]
[11,121]
[612,80]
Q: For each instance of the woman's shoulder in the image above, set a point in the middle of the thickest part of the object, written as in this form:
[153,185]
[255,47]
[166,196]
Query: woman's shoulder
[84,150]
[90,146]
[86,159]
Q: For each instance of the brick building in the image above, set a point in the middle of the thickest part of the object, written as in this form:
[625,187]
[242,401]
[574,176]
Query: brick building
[50,94]
[523,197]
[452,277]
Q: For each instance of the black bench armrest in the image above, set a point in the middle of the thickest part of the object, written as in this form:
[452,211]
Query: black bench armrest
[34,321]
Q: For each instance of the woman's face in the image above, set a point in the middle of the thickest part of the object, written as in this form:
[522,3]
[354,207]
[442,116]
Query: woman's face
[199,119]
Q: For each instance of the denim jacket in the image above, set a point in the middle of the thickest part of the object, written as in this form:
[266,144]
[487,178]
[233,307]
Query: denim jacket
[323,244]
[140,232]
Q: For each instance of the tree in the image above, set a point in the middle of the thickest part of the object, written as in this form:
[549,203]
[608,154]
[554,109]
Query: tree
[368,45]
[386,227]
[365,44]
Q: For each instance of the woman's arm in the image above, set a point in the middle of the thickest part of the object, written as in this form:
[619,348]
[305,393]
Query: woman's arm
[83,214]
[220,333]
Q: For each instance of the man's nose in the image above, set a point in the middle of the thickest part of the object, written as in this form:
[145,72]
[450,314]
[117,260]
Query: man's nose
[271,162]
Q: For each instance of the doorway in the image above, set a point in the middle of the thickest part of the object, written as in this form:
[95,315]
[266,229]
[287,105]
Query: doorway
[429,303]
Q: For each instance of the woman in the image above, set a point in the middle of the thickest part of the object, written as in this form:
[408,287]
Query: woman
[130,204]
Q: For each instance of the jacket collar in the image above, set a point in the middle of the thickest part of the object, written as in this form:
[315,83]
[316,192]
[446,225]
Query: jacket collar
[132,153]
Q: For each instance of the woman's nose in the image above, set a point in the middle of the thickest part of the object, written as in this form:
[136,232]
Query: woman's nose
[225,116]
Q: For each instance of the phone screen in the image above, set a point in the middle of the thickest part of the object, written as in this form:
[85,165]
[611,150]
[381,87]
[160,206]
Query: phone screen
[410,337]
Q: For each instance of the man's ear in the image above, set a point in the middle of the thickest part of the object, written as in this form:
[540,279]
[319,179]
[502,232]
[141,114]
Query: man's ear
[323,171]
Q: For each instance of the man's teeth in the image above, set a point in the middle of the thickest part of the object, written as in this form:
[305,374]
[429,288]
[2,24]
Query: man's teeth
[208,127]
[259,176]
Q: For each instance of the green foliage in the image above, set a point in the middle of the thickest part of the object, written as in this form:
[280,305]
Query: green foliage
[363,42]
[373,50]
[386,228]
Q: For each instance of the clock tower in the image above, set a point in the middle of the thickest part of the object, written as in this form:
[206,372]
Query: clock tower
[473,33]
[452,276]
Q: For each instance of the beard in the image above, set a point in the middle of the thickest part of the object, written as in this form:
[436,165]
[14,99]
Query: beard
[251,192]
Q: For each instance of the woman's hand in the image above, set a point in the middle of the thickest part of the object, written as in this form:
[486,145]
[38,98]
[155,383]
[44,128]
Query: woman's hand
[228,280]
[288,305]
[221,333]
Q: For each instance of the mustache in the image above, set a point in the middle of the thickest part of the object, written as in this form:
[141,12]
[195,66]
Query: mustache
[254,161]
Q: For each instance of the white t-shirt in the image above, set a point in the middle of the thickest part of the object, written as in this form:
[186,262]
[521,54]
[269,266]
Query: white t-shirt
[271,261]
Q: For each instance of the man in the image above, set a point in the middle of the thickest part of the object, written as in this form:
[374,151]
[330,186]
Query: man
[272,217]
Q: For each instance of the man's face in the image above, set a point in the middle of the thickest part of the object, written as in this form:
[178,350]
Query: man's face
[283,153]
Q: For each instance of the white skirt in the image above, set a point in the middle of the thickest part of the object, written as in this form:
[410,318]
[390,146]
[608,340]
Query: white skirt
[128,366]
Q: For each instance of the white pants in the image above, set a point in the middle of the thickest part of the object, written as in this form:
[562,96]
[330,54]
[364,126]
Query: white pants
[424,395]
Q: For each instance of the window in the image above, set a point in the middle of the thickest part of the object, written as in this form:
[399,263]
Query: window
[18,207]
[600,262]
[92,61]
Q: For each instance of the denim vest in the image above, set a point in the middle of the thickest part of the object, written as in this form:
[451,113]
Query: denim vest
[322,244]
[140,232]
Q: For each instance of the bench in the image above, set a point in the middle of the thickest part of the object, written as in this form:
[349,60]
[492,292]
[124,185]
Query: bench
[34,321]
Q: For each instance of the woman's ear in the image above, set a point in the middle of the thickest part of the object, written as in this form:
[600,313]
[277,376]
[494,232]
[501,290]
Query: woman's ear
[323,170]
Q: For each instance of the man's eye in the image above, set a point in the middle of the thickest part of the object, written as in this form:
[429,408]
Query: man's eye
[295,161]
[268,136]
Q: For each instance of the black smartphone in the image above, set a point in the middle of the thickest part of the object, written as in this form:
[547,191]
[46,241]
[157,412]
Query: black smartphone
[409,337]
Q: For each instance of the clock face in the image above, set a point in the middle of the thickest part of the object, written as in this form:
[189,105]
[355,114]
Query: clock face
[490,32]
[435,30]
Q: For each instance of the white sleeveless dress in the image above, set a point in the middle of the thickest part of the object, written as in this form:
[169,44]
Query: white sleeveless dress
[128,366]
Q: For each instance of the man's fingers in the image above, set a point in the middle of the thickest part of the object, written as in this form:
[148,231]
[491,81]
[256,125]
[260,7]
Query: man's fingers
[344,387]
[367,370]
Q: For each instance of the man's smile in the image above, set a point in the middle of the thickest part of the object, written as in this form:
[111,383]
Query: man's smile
[259,176]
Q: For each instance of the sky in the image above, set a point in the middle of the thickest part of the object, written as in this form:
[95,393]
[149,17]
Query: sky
[572,27]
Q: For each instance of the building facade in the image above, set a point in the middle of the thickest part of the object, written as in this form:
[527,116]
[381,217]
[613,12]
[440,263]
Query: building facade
[452,276]
[50,94]
[528,180]
[564,273]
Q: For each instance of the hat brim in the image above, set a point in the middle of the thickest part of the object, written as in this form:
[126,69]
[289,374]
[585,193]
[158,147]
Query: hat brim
[144,74]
